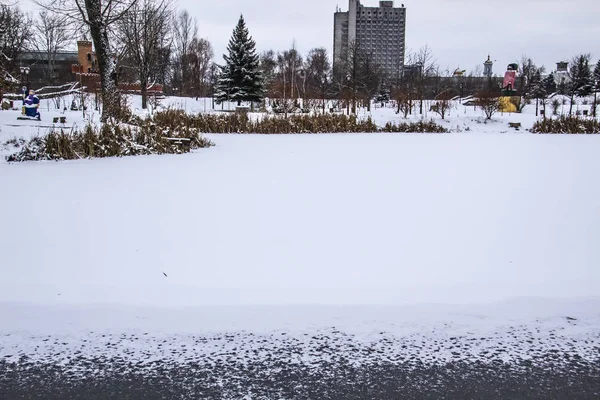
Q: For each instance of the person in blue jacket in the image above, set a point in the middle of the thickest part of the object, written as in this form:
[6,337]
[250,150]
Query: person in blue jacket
[32,105]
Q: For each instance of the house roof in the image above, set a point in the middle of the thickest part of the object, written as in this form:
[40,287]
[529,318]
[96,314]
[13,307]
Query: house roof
[42,55]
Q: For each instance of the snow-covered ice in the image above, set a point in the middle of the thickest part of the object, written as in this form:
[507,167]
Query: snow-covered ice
[346,219]
[463,246]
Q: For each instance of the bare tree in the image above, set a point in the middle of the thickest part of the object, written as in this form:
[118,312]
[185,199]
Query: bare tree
[527,72]
[282,84]
[200,58]
[15,33]
[489,102]
[213,78]
[292,61]
[404,101]
[443,104]
[162,71]
[405,89]
[143,31]
[371,76]
[318,70]
[289,64]
[52,34]
[531,76]
[99,16]
[4,59]
[423,59]
[353,73]
[185,29]
[268,68]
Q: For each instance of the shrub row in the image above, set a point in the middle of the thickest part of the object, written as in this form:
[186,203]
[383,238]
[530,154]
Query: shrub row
[174,131]
[110,141]
[293,124]
[416,127]
[567,124]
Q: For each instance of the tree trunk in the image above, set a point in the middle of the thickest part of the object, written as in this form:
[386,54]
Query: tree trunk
[537,107]
[284,103]
[595,103]
[571,106]
[144,91]
[544,107]
[99,32]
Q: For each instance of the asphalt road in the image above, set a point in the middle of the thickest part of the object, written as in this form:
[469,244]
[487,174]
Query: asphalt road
[554,376]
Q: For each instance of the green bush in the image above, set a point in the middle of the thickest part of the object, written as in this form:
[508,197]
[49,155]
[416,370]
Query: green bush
[567,124]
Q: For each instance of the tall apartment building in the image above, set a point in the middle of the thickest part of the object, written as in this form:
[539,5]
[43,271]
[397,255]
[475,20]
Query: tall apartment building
[379,31]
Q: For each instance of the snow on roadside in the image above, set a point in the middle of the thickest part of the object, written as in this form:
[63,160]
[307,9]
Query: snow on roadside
[524,329]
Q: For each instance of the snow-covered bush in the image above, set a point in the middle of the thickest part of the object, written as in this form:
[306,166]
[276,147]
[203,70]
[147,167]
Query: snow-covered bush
[489,103]
[320,123]
[415,127]
[111,140]
[443,104]
[567,124]
[13,143]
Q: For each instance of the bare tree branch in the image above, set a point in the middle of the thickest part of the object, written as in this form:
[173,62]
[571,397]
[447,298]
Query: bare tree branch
[52,35]
[143,31]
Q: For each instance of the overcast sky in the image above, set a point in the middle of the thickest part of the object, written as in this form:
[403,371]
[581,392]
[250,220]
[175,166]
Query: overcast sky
[460,32]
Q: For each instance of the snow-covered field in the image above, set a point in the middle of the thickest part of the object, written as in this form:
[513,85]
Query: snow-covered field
[460,119]
[307,253]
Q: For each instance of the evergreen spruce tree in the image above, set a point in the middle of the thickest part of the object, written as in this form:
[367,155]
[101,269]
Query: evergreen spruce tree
[597,73]
[383,96]
[240,78]
[548,87]
[581,84]
[536,89]
[549,84]
[596,87]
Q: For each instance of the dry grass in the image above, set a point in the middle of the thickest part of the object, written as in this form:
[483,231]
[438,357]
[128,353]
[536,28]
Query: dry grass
[294,124]
[174,132]
[110,141]
[415,127]
[567,124]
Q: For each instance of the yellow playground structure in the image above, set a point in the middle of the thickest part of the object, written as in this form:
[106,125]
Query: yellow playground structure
[509,104]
